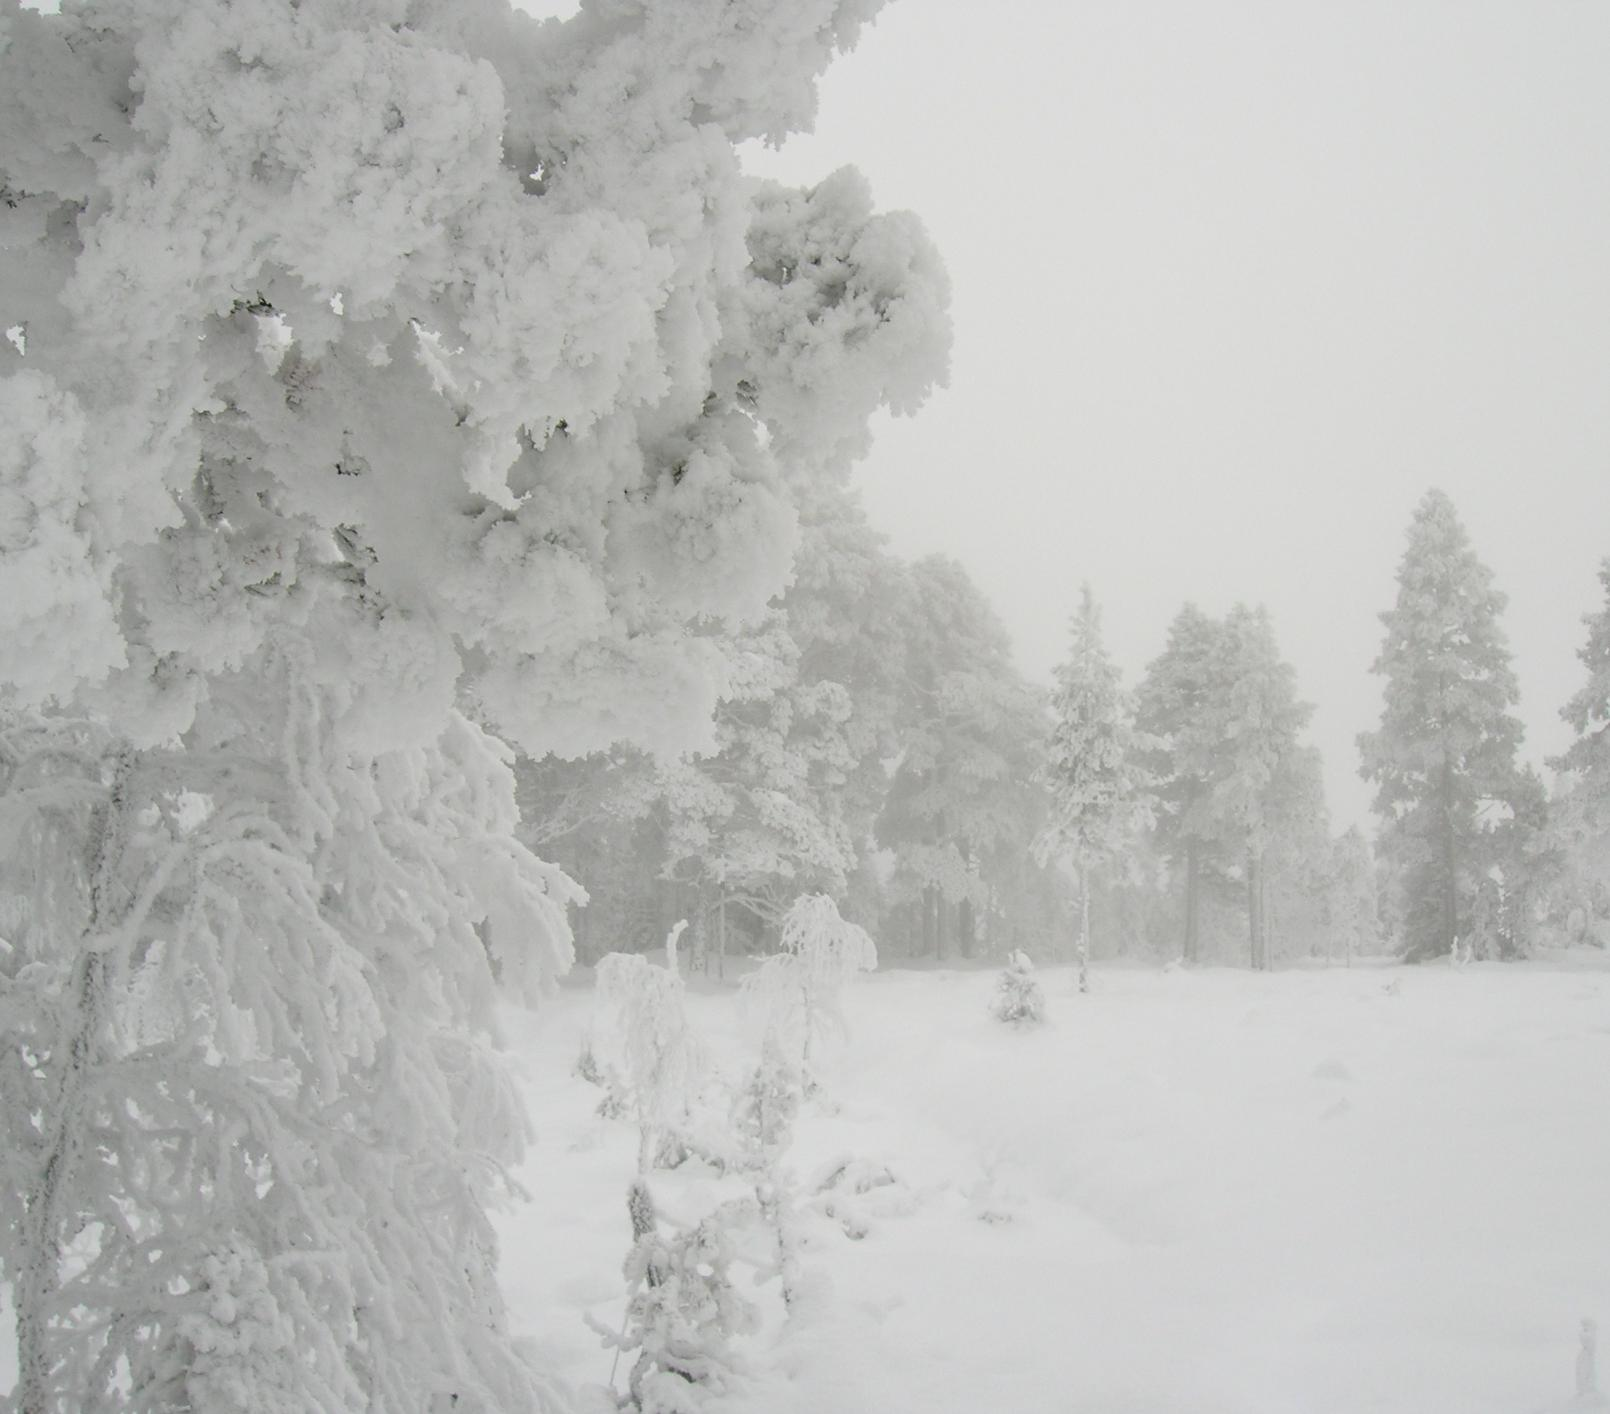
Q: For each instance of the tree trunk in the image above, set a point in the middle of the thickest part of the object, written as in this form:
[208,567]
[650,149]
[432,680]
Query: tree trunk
[1193,897]
[38,1278]
[930,931]
[965,926]
[1260,944]
[721,938]
[942,925]
[1450,883]
[1084,930]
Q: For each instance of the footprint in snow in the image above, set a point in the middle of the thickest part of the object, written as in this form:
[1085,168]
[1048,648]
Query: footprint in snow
[1332,1069]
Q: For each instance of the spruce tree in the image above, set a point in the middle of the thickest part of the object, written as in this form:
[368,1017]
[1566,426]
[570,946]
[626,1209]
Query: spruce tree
[1587,759]
[1101,793]
[1575,847]
[1443,759]
[1170,713]
[1254,716]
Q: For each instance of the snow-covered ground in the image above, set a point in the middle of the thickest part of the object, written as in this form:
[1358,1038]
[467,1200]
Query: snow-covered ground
[1209,1192]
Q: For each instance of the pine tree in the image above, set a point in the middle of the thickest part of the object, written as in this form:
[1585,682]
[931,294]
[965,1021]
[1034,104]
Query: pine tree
[1443,759]
[1171,710]
[1588,712]
[1352,903]
[1100,792]
[959,809]
[1571,855]
[1253,713]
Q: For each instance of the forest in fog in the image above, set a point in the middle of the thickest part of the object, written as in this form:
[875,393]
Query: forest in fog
[430,557]
[882,748]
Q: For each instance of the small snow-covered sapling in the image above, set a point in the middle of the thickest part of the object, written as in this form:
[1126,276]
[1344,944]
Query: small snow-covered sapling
[1019,999]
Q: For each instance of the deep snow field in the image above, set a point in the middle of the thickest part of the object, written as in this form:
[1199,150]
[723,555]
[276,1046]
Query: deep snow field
[1190,1192]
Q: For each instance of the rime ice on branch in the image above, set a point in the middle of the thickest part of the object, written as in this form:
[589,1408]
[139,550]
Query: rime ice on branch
[392,371]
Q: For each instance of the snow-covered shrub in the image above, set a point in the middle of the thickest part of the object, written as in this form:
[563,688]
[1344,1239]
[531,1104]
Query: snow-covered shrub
[614,1102]
[683,1311]
[853,1192]
[1019,999]
[797,993]
[763,1111]
[763,1116]
[651,1046]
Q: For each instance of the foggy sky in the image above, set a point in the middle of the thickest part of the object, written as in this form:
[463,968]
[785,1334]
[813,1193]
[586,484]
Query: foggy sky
[1234,285]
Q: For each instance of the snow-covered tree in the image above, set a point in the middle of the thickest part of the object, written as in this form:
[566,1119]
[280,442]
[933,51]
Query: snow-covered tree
[644,1037]
[961,807]
[252,1114]
[1254,714]
[1298,857]
[1353,902]
[376,362]
[1578,831]
[785,803]
[1443,758]
[786,800]
[1019,999]
[1171,708]
[797,994]
[683,1310]
[1100,790]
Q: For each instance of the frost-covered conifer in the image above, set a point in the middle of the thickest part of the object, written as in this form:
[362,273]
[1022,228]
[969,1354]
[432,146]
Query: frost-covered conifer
[378,361]
[1353,903]
[763,1116]
[1019,999]
[1171,708]
[683,1313]
[961,808]
[1577,838]
[1100,791]
[246,1144]
[1255,716]
[1443,759]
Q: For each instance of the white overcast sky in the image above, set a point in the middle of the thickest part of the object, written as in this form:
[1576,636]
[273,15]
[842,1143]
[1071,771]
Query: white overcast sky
[1233,285]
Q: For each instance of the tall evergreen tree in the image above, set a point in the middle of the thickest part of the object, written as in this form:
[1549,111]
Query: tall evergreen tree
[1100,791]
[1299,856]
[1353,908]
[1254,716]
[1443,759]
[959,809]
[1576,850]
[1170,711]
[1586,762]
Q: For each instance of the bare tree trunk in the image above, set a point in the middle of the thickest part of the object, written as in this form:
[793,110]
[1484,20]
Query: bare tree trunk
[1084,930]
[39,1274]
[1450,884]
[1193,898]
[1260,959]
[930,930]
[965,927]
[721,938]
